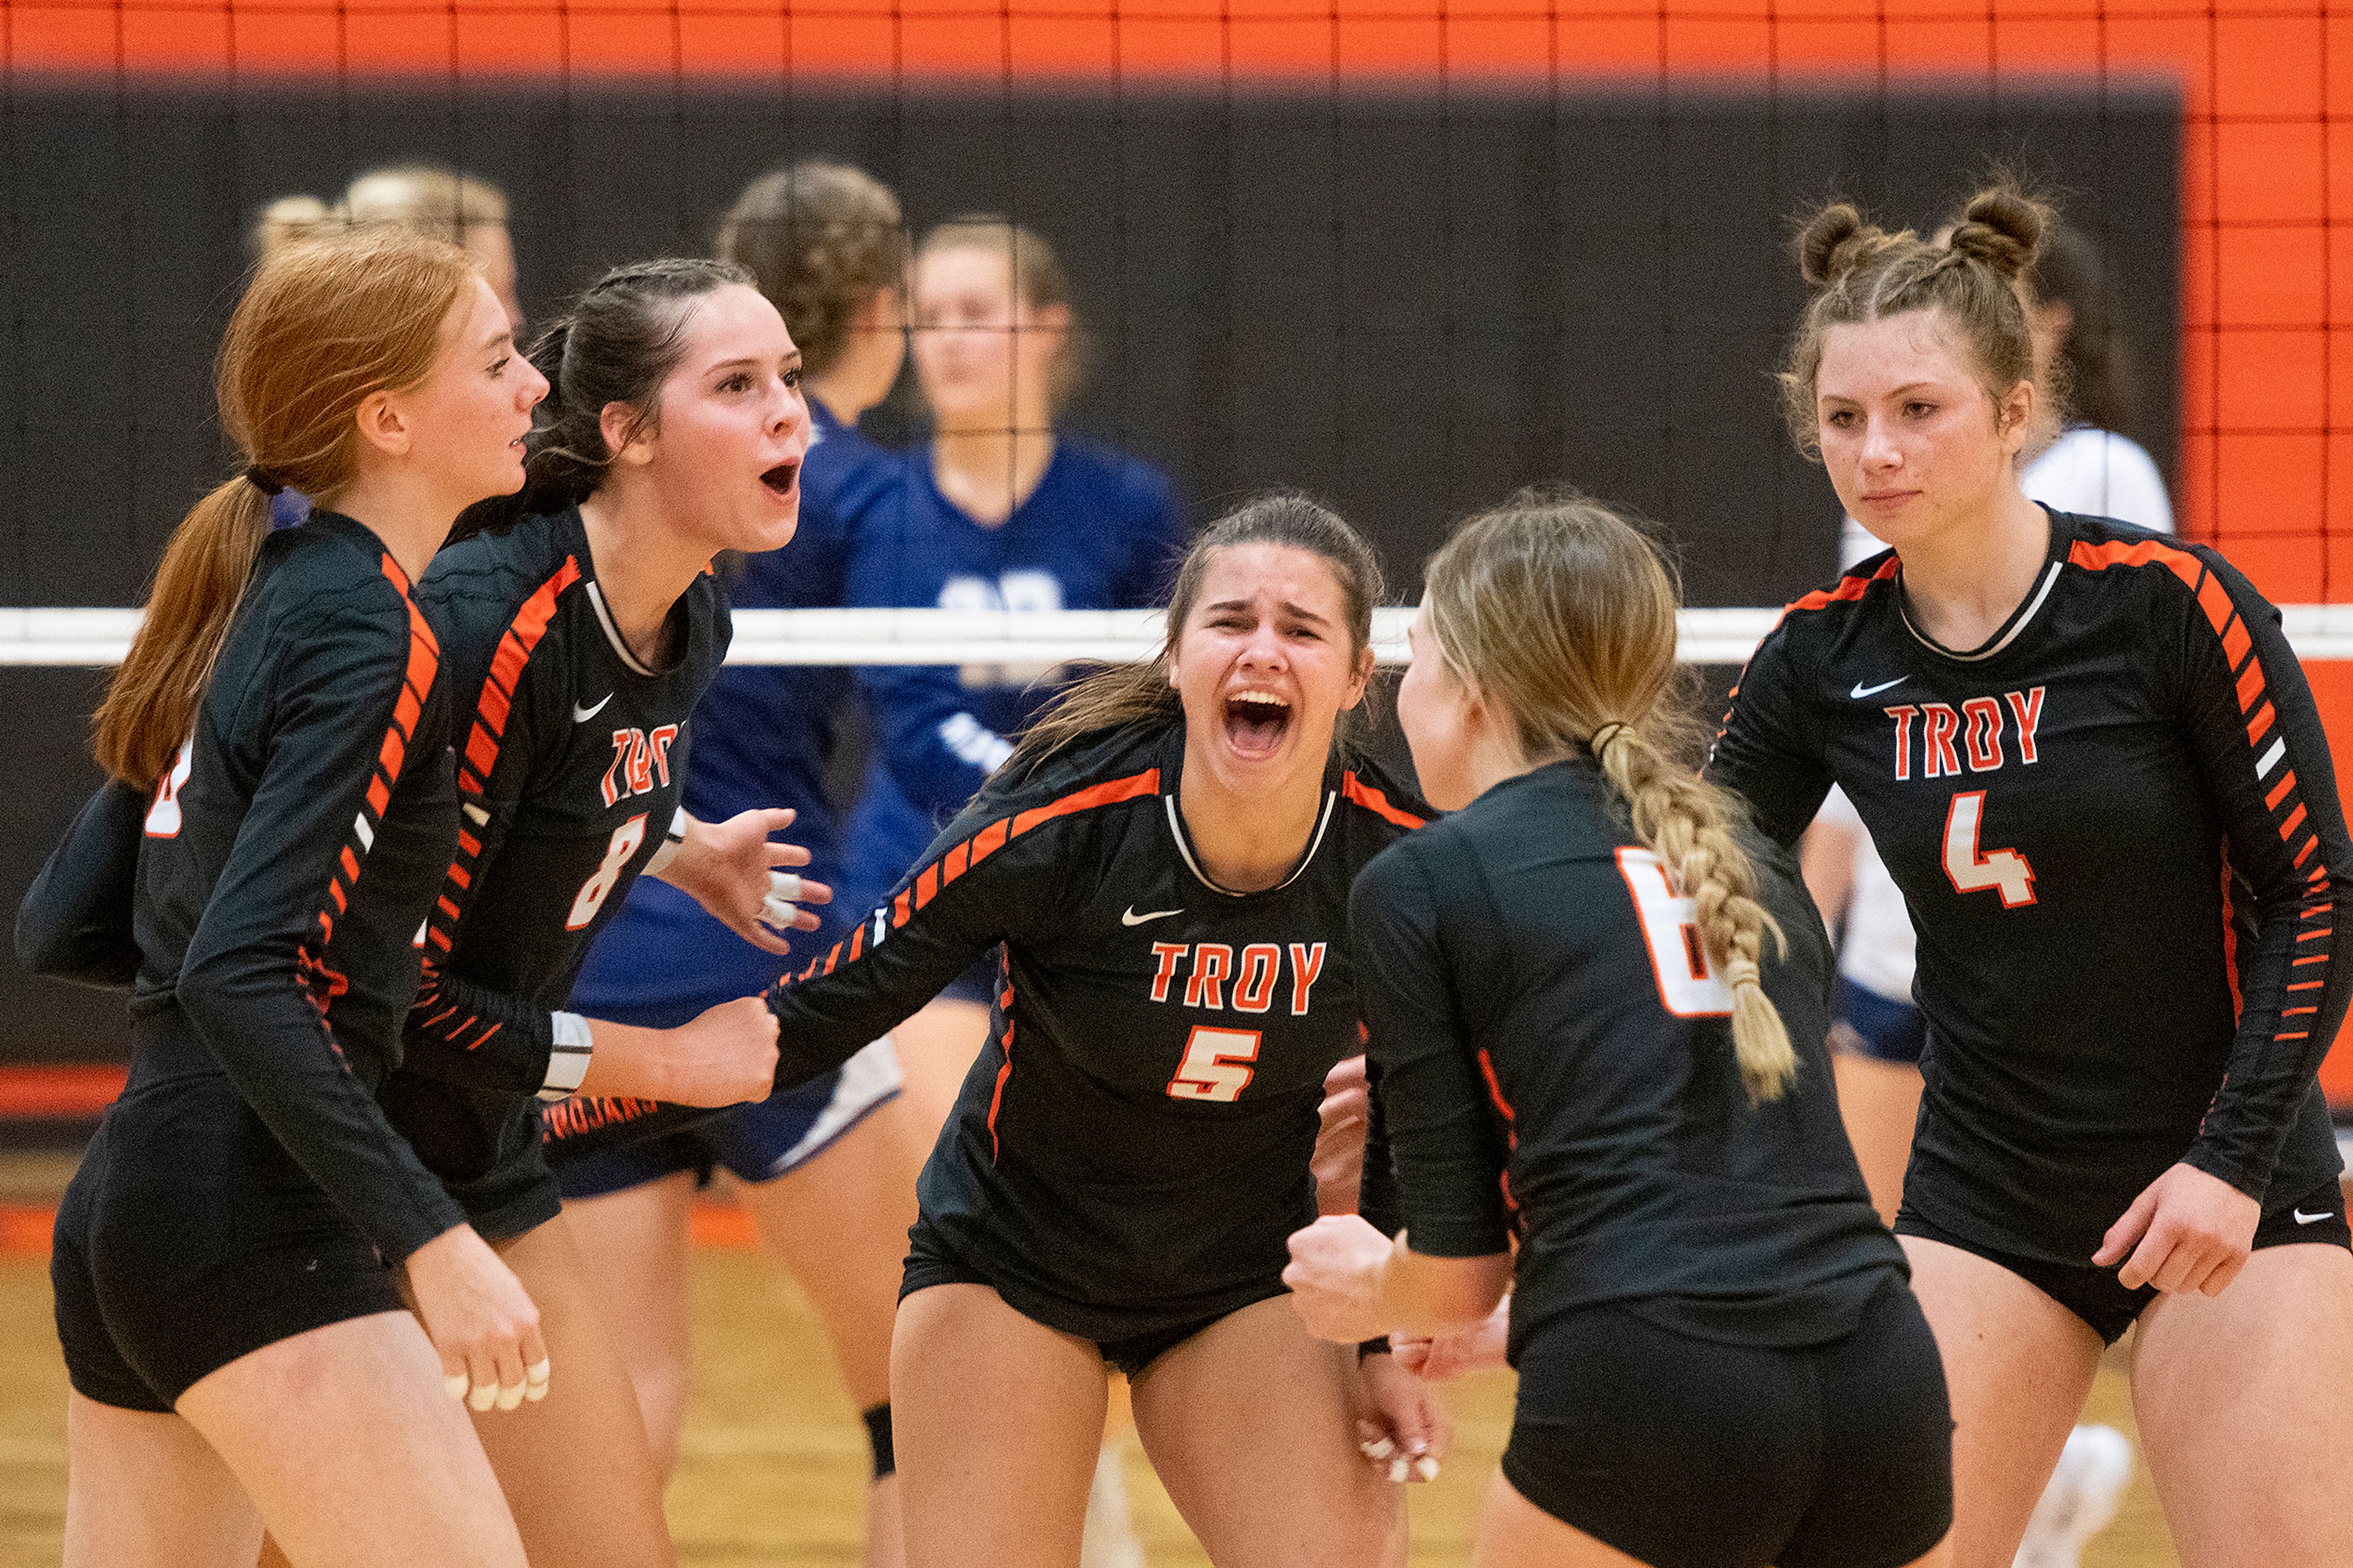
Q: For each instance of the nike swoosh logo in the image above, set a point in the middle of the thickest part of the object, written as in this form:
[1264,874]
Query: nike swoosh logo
[1130,918]
[1861,692]
[2304,1218]
[582,715]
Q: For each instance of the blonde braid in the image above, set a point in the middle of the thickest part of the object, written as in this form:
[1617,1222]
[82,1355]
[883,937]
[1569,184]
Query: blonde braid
[1687,822]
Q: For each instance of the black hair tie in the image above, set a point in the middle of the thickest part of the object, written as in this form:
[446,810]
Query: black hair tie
[262,480]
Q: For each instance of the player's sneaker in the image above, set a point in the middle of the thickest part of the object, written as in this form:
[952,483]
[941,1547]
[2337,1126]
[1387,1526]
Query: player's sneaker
[2083,1497]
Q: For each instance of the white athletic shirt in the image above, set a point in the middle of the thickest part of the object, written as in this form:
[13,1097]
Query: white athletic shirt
[2096,473]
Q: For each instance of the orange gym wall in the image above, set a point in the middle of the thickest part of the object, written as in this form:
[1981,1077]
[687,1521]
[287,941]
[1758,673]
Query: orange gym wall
[2267,248]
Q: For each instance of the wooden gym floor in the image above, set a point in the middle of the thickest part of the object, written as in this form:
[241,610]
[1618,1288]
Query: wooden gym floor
[775,1463]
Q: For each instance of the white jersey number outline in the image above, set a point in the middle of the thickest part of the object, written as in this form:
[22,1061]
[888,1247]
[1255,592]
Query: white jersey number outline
[1213,1068]
[163,817]
[592,894]
[1972,872]
[1689,986]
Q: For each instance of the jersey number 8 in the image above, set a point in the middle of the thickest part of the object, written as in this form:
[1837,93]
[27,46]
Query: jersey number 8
[1212,1067]
[593,892]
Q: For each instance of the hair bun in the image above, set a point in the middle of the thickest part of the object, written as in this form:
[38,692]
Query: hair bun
[2003,228]
[1834,241]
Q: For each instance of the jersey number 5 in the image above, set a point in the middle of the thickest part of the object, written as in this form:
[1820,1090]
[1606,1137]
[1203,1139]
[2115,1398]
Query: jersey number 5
[1212,1067]
[1972,872]
[1689,986]
[626,840]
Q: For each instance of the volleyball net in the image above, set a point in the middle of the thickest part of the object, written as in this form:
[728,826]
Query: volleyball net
[1407,255]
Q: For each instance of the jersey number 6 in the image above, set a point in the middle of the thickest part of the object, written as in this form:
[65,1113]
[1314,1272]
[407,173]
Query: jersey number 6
[1212,1067]
[1689,986]
[1971,872]
[626,840]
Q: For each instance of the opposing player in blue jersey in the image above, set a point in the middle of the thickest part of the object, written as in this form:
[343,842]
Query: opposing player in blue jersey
[1004,510]
[828,1168]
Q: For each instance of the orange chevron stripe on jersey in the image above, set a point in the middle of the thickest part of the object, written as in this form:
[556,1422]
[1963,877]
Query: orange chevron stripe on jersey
[2254,703]
[966,853]
[479,757]
[1849,587]
[515,645]
[321,981]
[1374,801]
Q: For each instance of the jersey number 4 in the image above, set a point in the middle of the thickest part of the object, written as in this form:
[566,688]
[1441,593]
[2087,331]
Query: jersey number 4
[1973,872]
[1689,986]
[593,892]
[1214,1066]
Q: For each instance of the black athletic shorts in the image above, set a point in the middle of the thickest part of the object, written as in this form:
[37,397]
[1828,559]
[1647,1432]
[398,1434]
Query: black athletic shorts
[931,1261]
[189,1237]
[1692,1453]
[2095,1295]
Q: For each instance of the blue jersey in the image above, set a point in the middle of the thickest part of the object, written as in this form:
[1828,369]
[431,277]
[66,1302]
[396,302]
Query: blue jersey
[764,735]
[1100,533]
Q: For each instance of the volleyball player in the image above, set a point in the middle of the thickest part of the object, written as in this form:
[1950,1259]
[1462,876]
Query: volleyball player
[464,209]
[1165,862]
[468,213]
[1877,1033]
[582,626]
[2093,765]
[229,1258]
[1004,510]
[828,1168]
[1596,1021]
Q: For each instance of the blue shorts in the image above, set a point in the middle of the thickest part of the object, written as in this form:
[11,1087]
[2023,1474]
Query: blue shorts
[664,962]
[1877,1026]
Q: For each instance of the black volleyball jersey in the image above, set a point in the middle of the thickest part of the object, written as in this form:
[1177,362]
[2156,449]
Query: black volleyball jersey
[571,761]
[2118,832]
[1552,1051]
[291,852]
[1131,1147]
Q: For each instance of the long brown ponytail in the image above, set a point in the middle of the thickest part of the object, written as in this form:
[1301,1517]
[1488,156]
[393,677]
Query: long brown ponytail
[324,325]
[1563,613]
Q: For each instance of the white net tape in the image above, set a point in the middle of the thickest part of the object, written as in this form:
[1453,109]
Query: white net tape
[88,638]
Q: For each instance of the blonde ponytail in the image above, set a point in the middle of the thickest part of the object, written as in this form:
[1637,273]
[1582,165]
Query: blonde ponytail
[1564,614]
[1687,822]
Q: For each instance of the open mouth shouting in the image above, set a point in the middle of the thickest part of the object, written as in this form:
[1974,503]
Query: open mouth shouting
[1256,720]
[783,479]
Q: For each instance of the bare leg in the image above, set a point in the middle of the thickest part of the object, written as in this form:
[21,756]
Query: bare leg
[1879,1102]
[937,1048]
[840,1223]
[1251,1425]
[635,1243]
[575,1467]
[999,1419]
[2018,1365]
[354,1454]
[146,1489]
[2240,1399]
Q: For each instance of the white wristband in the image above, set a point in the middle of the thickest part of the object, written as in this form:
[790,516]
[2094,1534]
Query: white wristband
[567,1060]
[671,843]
